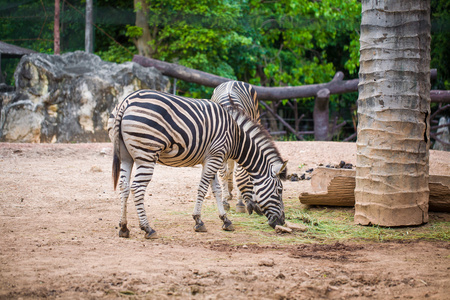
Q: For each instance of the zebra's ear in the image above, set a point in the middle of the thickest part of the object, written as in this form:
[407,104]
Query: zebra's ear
[280,169]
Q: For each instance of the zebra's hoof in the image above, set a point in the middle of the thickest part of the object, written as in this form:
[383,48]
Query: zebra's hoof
[240,208]
[200,228]
[124,232]
[228,227]
[226,206]
[258,210]
[253,207]
[151,235]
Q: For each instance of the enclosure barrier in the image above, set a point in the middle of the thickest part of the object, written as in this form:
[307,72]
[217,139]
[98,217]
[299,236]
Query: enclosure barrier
[321,92]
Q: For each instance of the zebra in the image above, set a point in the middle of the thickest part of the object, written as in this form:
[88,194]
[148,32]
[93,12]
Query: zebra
[241,95]
[150,127]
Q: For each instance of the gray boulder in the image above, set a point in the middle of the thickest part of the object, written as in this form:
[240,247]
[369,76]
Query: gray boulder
[68,98]
[443,133]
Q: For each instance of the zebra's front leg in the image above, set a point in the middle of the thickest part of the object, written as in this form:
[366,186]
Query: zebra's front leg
[227,225]
[143,176]
[209,176]
[199,225]
[245,187]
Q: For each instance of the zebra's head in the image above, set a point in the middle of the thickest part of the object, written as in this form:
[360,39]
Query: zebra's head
[268,191]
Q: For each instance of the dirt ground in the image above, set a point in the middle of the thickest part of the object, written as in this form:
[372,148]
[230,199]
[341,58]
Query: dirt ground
[59,217]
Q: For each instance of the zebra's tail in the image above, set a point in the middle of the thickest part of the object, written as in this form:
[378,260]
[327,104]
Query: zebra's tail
[116,168]
[116,138]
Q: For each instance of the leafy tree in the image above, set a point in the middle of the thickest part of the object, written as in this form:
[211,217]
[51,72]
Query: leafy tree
[440,42]
[297,37]
[270,43]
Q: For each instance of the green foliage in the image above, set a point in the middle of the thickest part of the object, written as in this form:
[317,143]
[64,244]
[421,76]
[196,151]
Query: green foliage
[117,54]
[268,43]
[299,39]
[133,31]
[196,34]
[440,42]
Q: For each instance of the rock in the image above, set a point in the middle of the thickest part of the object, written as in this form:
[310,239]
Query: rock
[443,134]
[96,169]
[282,229]
[68,98]
[296,227]
[293,177]
[268,262]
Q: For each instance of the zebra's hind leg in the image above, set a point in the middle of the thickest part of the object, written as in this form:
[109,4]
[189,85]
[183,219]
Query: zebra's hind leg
[226,176]
[240,206]
[124,185]
[143,176]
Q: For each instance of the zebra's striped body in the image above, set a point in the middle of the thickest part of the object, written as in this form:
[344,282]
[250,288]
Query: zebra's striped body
[240,95]
[153,127]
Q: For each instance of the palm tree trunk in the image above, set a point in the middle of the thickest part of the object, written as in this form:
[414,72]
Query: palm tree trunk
[393,113]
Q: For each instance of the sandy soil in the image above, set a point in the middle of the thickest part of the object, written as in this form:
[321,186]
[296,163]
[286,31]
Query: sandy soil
[59,217]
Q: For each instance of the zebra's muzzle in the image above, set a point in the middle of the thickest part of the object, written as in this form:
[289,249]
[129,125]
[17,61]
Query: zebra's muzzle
[275,220]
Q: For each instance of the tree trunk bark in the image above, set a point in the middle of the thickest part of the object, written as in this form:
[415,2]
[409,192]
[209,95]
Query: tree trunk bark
[393,114]
[56,38]
[141,43]
[89,30]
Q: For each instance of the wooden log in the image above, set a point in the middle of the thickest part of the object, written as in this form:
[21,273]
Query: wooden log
[321,115]
[439,193]
[335,187]
[336,86]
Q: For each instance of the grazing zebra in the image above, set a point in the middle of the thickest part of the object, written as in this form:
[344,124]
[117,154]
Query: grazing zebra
[242,96]
[152,127]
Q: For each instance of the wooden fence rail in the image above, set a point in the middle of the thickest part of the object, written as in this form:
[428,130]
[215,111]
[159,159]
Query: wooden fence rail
[320,92]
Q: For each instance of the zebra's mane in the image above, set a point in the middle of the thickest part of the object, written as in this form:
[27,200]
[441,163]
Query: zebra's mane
[257,132]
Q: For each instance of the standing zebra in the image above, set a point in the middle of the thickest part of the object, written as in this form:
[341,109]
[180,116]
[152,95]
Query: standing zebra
[152,127]
[240,95]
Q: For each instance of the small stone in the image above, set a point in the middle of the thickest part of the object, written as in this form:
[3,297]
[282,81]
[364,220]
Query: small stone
[295,226]
[294,177]
[267,262]
[282,229]
[96,169]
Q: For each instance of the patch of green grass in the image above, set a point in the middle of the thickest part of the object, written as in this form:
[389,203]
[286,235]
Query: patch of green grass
[324,225]
[337,224]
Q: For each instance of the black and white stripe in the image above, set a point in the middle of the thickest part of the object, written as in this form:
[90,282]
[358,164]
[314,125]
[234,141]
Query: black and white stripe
[240,95]
[152,127]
